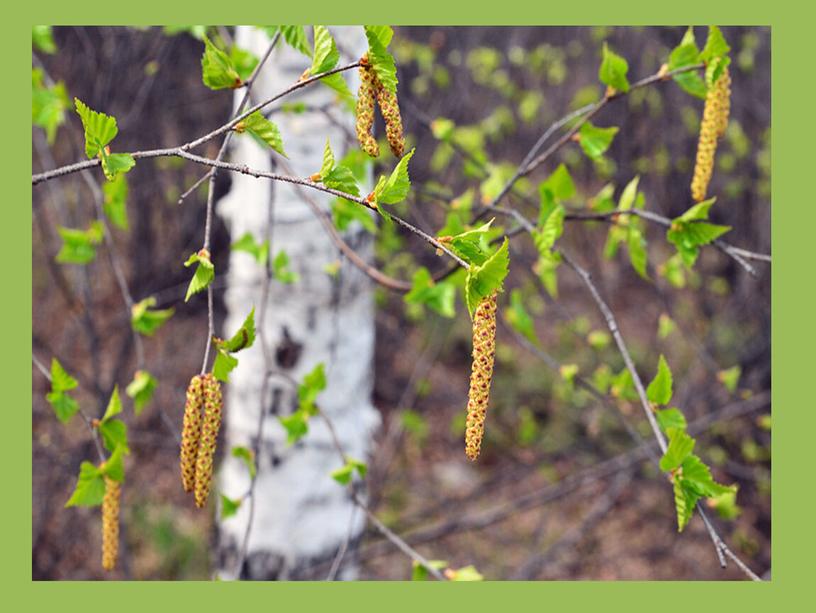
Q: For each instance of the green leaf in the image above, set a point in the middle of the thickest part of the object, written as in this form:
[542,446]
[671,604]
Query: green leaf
[394,189]
[483,280]
[146,320]
[638,255]
[114,405]
[114,434]
[594,140]
[698,212]
[660,389]
[141,390]
[100,129]
[248,457]
[224,364]
[65,407]
[730,378]
[420,573]
[90,487]
[382,62]
[466,573]
[204,274]
[61,381]
[472,245]
[687,54]
[680,447]
[687,237]
[244,337]
[613,70]
[244,62]
[558,186]
[670,418]
[229,507]
[339,85]
[79,246]
[344,474]
[383,34]
[328,160]
[519,319]
[42,39]
[549,230]
[217,69]
[313,383]
[439,297]
[263,130]
[295,36]
[115,202]
[344,212]
[685,501]
[114,466]
[696,476]
[114,164]
[342,179]
[48,104]
[281,271]
[325,54]
[715,46]
[628,195]
[247,243]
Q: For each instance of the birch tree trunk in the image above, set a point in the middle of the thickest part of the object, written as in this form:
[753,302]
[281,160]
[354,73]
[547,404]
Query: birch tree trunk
[302,517]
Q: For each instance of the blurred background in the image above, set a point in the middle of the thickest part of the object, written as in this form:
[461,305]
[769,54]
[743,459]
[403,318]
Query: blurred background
[543,502]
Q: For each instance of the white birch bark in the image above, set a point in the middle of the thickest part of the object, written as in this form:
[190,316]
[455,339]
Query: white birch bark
[302,517]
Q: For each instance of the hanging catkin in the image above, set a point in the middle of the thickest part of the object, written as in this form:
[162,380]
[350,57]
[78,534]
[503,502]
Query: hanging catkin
[715,121]
[209,433]
[389,107]
[191,432]
[366,96]
[484,350]
[110,523]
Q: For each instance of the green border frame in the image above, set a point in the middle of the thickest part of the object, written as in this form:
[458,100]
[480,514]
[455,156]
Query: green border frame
[792,227]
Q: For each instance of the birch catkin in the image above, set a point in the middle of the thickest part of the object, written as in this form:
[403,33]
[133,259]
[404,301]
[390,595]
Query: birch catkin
[366,95]
[389,107]
[110,523]
[209,433]
[484,350]
[715,120]
[191,432]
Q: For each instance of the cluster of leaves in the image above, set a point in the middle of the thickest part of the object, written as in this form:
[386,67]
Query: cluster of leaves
[297,423]
[691,477]
[225,361]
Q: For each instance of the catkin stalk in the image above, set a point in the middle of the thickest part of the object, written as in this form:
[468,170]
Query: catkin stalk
[209,433]
[366,95]
[484,351]
[110,523]
[715,120]
[191,432]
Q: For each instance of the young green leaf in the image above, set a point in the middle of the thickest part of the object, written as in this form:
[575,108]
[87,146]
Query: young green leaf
[313,383]
[229,507]
[204,274]
[114,164]
[42,39]
[247,457]
[439,297]
[638,256]
[48,104]
[296,425]
[146,320]
[217,69]
[263,130]
[558,186]
[519,319]
[90,487]
[281,270]
[344,474]
[247,243]
[141,389]
[114,405]
[114,466]
[730,378]
[100,129]
[715,46]
[483,280]
[295,37]
[687,54]
[382,62]
[114,434]
[594,140]
[325,54]
[660,389]
[223,365]
[244,337]
[670,418]
[394,189]
[61,381]
[79,246]
[613,70]
[115,202]
[680,447]
[685,502]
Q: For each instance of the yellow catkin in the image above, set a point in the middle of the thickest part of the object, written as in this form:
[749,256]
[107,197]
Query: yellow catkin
[712,127]
[484,351]
[191,432]
[389,107]
[110,523]
[209,433]
[366,95]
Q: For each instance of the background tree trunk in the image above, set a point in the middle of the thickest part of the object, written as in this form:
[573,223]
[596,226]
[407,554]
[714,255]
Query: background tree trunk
[302,516]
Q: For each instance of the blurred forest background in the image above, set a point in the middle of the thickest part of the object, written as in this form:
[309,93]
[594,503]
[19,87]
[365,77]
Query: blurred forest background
[536,505]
